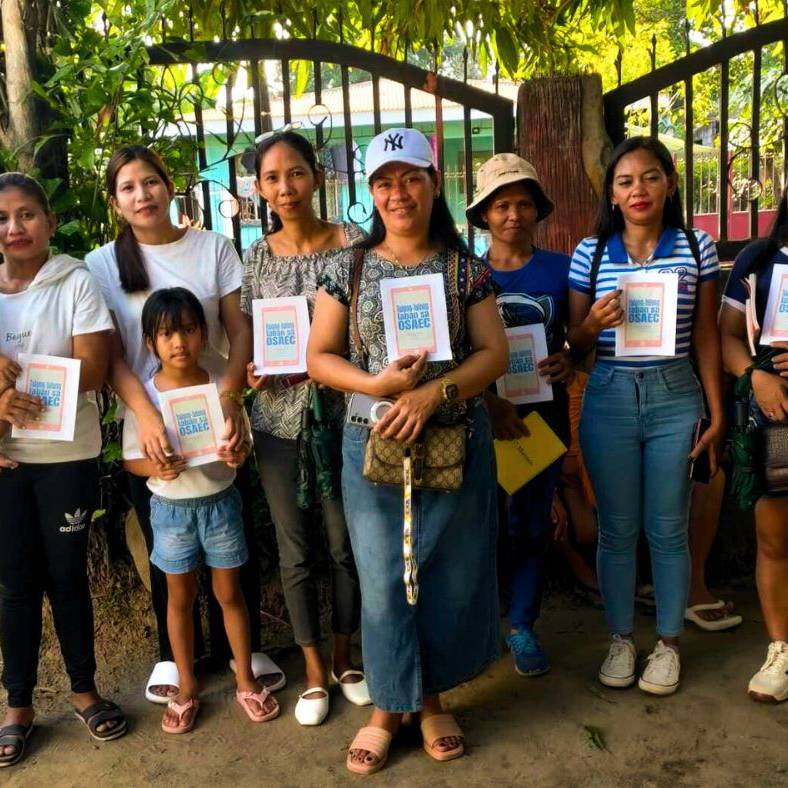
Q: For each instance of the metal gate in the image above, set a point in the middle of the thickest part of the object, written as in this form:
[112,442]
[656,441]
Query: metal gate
[744,180]
[463,121]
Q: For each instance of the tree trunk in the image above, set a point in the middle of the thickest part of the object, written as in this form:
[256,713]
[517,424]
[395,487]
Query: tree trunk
[561,132]
[22,128]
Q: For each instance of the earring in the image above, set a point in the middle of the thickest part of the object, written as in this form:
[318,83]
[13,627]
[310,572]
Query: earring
[613,207]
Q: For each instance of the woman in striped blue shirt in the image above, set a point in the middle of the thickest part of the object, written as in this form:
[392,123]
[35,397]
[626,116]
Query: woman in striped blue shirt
[639,411]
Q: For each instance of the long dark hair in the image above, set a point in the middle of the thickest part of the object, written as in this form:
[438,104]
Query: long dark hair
[167,308]
[442,229]
[609,219]
[777,237]
[301,145]
[131,266]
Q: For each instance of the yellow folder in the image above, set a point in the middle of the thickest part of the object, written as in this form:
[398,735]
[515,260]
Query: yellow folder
[522,459]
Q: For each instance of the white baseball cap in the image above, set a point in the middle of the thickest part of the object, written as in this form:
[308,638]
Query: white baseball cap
[406,146]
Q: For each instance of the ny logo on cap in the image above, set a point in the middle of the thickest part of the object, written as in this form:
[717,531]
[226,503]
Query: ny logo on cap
[393,141]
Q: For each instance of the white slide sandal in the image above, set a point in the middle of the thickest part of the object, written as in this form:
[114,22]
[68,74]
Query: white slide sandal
[726,622]
[163,674]
[356,692]
[263,665]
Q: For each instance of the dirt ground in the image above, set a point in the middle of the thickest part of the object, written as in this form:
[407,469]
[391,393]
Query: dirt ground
[562,729]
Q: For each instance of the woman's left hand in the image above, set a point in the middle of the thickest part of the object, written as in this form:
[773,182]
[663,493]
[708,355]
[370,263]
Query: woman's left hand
[234,424]
[405,420]
[555,368]
[7,462]
[710,442]
[780,361]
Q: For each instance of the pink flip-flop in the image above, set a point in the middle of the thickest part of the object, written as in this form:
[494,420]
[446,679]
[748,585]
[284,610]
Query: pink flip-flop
[180,709]
[257,698]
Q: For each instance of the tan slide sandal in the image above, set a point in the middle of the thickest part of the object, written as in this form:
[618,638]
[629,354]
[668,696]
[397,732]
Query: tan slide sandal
[376,742]
[437,727]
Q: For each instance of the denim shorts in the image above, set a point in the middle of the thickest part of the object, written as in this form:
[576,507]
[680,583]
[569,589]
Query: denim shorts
[184,530]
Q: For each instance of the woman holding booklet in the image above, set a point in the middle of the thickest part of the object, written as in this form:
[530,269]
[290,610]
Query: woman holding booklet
[287,262]
[533,293]
[150,253]
[758,285]
[643,293]
[408,323]
[54,340]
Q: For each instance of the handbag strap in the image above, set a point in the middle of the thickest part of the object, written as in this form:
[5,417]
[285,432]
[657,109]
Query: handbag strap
[355,286]
[410,577]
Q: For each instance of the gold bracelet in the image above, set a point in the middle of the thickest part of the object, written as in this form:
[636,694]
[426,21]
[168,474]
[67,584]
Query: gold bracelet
[233,396]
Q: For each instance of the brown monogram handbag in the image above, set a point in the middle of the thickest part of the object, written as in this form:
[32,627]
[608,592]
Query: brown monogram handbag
[438,456]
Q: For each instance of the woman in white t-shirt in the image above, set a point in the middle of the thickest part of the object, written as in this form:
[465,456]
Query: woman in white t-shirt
[151,253]
[50,305]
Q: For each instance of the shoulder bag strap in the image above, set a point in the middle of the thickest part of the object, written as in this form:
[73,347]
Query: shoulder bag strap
[355,287]
[596,262]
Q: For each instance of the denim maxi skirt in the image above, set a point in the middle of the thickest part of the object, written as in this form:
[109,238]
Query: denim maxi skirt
[452,633]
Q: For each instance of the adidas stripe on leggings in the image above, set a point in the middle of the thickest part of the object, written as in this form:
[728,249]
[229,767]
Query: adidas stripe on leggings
[45,512]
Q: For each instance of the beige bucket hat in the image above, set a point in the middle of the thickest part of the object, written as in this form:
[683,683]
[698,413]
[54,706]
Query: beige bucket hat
[501,170]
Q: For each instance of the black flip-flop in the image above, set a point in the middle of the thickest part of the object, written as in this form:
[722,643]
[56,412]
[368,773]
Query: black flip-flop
[14,736]
[99,713]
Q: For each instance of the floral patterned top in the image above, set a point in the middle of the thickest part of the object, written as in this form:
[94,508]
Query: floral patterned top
[277,409]
[337,281]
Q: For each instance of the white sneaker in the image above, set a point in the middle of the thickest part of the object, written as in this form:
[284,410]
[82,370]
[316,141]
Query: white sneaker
[661,674]
[618,669]
[770,683]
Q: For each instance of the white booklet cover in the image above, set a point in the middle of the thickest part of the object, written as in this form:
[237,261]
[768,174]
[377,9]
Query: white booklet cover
[194,421]
[281,332]
[522,384]
[56,381]
[650,304]
[415,317]
[775,319]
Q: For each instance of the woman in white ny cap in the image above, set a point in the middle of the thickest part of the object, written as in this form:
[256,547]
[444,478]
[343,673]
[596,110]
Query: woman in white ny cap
[419,639]
[533,290]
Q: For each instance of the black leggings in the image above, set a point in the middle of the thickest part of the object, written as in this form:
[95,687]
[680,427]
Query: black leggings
[250,578]
[45,513]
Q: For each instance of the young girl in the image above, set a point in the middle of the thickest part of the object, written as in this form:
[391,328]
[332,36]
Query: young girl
[48,304]
[194,512]
[288,261]
[639,412]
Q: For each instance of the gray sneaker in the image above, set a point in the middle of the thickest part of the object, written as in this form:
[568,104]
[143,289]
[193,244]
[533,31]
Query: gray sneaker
[661,674]
[618,669]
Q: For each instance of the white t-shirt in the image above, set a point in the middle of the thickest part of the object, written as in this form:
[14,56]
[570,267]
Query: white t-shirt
[201,261]
[62,301]
[198,482]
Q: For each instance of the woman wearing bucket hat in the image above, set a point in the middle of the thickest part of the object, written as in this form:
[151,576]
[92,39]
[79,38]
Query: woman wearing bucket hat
[533,290]
[419,639]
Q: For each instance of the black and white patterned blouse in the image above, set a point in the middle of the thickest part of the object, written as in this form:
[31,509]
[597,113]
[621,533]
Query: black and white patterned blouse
[277,409]
[336,282]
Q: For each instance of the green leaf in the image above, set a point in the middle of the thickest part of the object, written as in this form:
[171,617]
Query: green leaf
[70,228]
[596,737]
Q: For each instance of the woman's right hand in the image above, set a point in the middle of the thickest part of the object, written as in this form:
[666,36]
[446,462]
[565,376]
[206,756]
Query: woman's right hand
[19,408]
[154,443]
[400,375]
[771,394]
[506,424]
[9,371]
[256,382]
[606,312]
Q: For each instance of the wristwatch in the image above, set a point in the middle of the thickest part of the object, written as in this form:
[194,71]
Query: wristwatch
[449,389]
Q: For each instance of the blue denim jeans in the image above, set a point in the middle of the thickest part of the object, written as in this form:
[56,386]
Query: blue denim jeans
[636,435]
[529,527]
[451,634]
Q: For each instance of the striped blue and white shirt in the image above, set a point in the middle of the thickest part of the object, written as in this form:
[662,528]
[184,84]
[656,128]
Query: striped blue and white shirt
[672,255]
